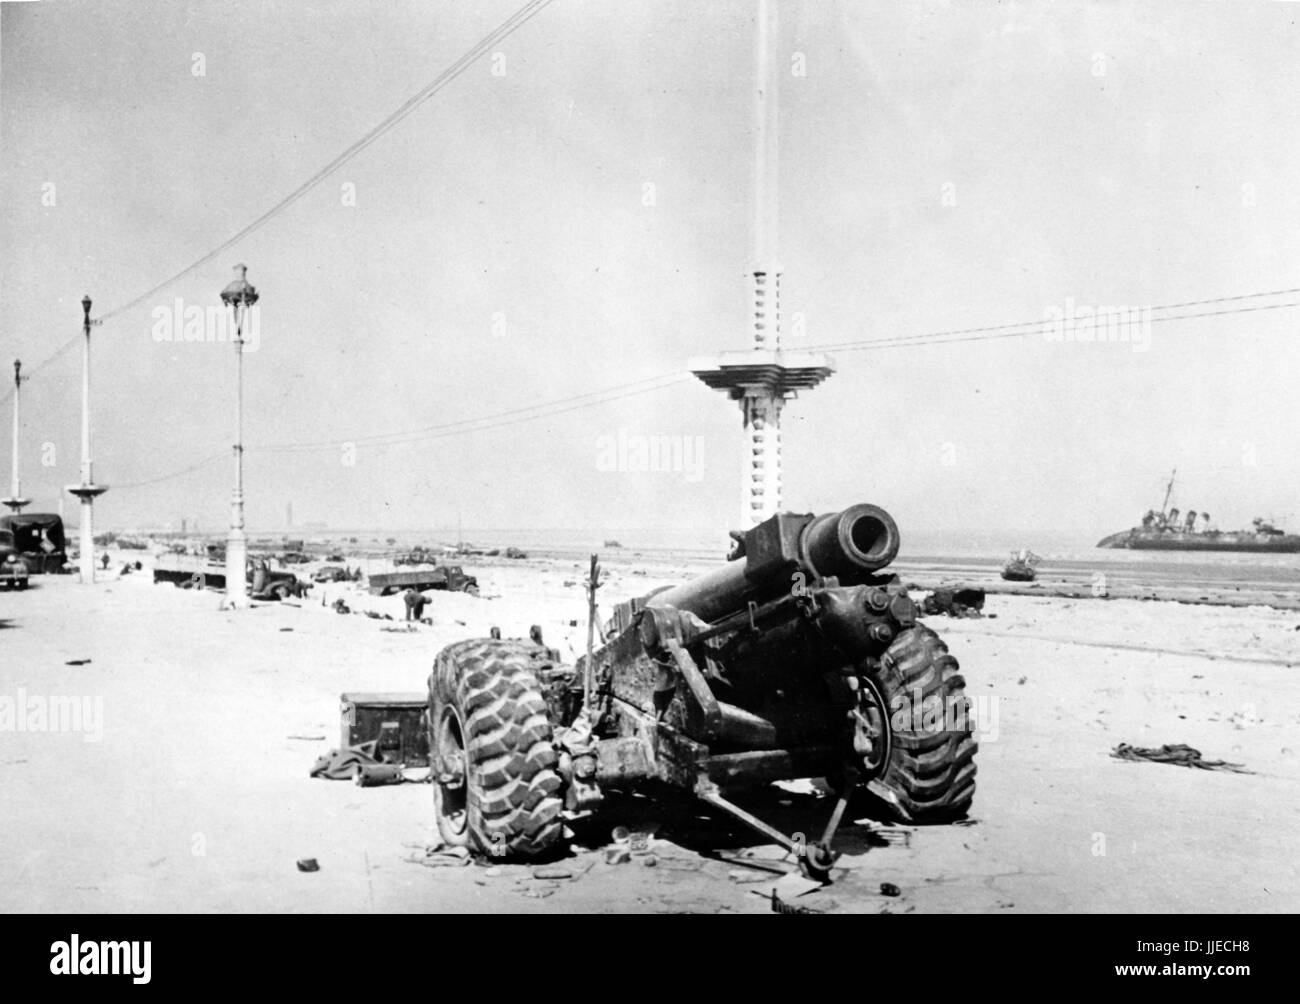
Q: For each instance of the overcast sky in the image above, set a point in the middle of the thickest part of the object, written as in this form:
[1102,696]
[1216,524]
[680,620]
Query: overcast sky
[580,219]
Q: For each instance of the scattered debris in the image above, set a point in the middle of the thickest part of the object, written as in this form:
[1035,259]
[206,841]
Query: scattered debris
[308,865]
[885,836]
[757,869]
[536,890]
[76,662]
[553,873]
[418,555]
[889,889]
[374,775]
[676,864]
[780,906]
[954,602]
[440,856]
[311,739]
[341,765]
[617,856]
[1178,754]
[766,852]
[793,885]
[742,877]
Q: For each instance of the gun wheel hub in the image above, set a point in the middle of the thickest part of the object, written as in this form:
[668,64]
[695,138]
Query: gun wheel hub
[449,760]
[871,737]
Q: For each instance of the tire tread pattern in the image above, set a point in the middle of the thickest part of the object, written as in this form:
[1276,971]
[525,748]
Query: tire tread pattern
[513,788]
[930,773]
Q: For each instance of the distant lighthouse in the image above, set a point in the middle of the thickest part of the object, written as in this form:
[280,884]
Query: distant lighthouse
[763,378]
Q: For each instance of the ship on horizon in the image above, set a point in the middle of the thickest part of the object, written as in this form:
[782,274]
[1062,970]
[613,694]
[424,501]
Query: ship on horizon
[1170,530]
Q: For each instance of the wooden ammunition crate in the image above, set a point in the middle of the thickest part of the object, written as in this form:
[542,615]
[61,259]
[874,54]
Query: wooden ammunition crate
[365,715]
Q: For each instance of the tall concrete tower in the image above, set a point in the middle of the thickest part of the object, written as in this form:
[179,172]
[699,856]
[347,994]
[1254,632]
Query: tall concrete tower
[764,378]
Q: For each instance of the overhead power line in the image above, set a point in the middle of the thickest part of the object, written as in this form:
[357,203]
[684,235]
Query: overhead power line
[511,24]
[515,21]
[1036,325]
[175,474]
[618,392]
[482,423]
[662,381]
[495,420]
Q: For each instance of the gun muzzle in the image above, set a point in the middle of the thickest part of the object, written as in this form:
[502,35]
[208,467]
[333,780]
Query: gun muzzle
[861,538]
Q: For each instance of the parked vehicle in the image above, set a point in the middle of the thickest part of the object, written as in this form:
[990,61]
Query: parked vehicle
[13,569]
[445,577]
[38,537]
[332,573]
[189,572]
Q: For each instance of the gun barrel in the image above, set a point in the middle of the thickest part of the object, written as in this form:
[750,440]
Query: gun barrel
[710,596]
[861,538]
[848,545]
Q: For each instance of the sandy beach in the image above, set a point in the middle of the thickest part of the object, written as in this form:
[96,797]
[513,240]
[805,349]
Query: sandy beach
[187,788]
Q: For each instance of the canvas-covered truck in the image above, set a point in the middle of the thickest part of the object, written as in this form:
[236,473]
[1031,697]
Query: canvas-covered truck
[39,538]
[13,567]
[801,657]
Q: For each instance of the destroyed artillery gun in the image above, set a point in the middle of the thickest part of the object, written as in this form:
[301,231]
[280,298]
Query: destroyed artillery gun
[799,658]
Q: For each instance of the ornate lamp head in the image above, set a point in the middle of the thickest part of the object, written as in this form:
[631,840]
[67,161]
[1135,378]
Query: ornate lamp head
[240,293]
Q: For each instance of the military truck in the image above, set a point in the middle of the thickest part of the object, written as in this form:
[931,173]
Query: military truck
[13,568]
[449,578]
[193,572]
[39,538]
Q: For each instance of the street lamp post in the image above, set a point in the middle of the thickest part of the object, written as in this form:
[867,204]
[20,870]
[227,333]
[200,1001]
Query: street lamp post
[239,296]
[15,501]
[87,491]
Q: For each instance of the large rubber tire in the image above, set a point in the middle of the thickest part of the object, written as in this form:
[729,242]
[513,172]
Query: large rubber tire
[929,774]
[484,698]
